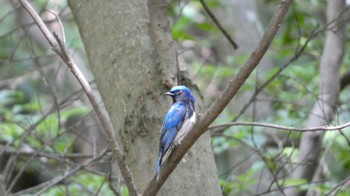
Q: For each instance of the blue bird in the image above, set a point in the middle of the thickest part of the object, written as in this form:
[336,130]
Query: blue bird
[177,122]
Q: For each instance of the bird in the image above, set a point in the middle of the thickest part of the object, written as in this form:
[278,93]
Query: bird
[179,119]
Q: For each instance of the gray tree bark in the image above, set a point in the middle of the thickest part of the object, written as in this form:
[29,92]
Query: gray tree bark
[325,107]
[133,60]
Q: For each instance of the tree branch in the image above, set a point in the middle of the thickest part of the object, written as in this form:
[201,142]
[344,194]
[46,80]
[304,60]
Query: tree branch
[217,23]
[260,124]
[345,80]
[58,47]
[221,102]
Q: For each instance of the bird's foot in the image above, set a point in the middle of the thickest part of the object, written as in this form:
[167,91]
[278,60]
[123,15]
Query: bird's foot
[180,140]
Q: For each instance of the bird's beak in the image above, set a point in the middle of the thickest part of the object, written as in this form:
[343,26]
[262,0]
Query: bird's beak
[169,93]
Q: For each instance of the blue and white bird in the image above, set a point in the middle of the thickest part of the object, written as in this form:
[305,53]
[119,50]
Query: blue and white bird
[177,122]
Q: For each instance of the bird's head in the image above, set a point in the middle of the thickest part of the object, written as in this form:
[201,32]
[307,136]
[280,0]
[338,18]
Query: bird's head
[181,93]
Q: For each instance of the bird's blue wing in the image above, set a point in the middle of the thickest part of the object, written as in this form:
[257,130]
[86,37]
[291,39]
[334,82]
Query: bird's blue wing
[175,117]
[171,125]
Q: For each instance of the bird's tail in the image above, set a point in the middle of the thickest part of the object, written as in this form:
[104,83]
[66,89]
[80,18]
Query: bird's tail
[160,157]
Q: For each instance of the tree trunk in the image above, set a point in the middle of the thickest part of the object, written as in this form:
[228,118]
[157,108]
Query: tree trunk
[133,60]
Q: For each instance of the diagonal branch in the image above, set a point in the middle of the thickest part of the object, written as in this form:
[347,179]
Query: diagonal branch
[217,23]
[221,102]
[58,47]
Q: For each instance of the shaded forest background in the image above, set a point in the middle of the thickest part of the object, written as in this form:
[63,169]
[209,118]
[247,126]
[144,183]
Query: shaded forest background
[52,143]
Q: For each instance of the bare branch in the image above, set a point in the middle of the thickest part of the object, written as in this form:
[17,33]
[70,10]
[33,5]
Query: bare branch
[344,183]
[217,23]
[10,150]
[58,47]
[345,80]
[286,128]
[40,23]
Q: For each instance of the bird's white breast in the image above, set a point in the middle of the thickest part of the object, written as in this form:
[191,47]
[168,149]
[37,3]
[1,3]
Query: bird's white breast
[187,126]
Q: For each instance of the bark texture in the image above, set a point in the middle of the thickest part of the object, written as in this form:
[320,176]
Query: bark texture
[324,109]
[126,42]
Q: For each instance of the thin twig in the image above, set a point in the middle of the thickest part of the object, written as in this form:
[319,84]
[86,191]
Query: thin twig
[286,128]
[58,47]
[10,150]
[61,25]
[339,186]
[217,23]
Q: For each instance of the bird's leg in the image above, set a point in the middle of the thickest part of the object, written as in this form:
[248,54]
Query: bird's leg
[180,140]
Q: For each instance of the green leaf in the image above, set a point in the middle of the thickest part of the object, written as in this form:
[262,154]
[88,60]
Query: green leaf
[71,112]
[178,30]
[10,97]
[10,131]
[207,27]
[294,182]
